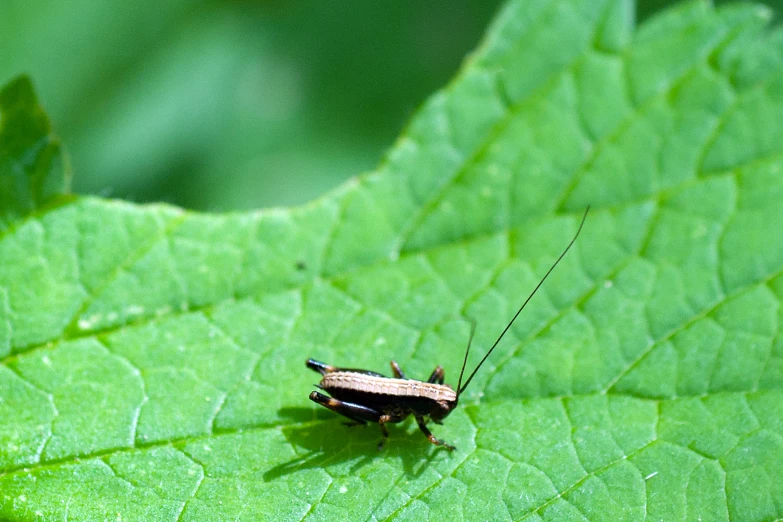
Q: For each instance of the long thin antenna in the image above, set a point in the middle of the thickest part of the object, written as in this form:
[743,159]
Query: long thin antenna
[460,387]
[467,351]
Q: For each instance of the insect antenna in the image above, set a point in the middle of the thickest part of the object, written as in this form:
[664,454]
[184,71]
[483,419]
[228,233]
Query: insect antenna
[460,386]
[467,351]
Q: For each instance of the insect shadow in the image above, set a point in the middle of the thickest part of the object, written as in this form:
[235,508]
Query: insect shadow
[318,445]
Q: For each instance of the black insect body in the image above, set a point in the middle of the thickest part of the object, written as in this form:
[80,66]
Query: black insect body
[364,396]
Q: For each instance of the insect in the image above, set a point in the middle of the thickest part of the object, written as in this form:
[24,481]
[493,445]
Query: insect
[364,396]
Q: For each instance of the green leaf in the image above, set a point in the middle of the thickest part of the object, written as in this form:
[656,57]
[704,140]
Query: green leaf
[32,168]
[153,358]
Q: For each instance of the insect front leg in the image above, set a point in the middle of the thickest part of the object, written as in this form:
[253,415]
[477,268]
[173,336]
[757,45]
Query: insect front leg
[437,376]
[423,427]
[356,412]
[397,371]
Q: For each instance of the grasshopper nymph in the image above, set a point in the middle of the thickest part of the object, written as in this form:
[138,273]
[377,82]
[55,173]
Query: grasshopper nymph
[364,396]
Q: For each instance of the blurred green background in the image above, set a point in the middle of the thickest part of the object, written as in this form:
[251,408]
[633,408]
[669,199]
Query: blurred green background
[239,104]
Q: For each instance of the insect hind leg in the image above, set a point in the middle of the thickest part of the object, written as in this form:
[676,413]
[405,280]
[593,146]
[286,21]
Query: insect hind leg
[320,367]
[356,412]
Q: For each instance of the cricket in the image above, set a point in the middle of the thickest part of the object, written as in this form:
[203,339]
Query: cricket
[364,396]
